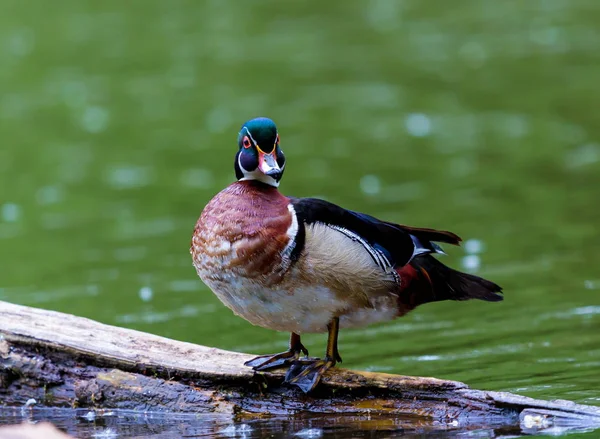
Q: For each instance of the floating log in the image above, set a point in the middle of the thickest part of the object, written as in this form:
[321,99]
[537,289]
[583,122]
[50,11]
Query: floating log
[60,360]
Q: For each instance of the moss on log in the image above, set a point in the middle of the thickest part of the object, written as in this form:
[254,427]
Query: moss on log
[62,360]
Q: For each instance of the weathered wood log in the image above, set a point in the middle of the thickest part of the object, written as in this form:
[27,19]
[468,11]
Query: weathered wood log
[61,360]
[28,431]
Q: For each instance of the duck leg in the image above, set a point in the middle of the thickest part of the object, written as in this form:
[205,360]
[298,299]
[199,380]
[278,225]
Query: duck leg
[265,362]
[307,372]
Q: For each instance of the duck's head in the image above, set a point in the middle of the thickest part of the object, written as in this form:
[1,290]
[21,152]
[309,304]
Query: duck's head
[259,157]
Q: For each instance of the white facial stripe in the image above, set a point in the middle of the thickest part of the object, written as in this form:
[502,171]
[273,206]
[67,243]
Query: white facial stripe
[250,135]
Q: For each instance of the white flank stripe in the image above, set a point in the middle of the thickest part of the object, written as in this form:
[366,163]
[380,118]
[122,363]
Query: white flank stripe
[292,231]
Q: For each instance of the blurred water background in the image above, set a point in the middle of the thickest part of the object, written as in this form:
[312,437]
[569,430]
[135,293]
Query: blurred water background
[118,122]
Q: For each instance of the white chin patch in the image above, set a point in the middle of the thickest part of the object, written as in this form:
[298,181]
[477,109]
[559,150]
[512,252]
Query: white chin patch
[257,175]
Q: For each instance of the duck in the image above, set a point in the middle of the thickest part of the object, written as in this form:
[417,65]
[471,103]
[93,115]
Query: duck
[306,265]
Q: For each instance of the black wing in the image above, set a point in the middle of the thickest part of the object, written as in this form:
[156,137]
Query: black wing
[396,242]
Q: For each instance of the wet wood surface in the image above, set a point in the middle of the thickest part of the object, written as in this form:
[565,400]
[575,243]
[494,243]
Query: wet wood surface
[28,431]
[60,360]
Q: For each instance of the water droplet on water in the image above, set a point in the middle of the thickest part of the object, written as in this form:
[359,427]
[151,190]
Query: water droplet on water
[545,36]
[370,184]
[418,124]
[10,212]
[146,294]
[49,195]
[473,246]
[471,262]
[127,177]
[583,155]
[95,119]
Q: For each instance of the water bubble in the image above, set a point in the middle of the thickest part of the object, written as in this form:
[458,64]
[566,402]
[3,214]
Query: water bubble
[10,212]
[516,125]
[590,284]
[146,294]
[49,195]
[95,119]
[545,36]
[127,177]
[370,184]
[383,15]
[583,155]
[471,262]
[473,246]
[418,124]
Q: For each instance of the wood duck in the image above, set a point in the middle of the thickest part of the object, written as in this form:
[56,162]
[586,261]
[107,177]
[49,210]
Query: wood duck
[304,265]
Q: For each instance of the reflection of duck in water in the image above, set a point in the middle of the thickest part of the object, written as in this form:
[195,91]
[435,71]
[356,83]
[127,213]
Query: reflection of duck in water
[304,265]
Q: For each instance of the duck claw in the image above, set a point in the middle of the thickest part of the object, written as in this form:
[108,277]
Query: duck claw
[306,373]
[266,362]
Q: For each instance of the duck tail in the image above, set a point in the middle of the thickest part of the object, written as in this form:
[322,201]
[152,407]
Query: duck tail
[425,279]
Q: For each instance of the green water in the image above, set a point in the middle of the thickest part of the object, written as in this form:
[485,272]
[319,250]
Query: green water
[118,123]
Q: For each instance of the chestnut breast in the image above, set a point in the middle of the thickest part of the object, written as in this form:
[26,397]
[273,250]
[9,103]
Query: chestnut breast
[243,232]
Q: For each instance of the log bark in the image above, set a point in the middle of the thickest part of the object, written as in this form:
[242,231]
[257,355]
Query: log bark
[61,360]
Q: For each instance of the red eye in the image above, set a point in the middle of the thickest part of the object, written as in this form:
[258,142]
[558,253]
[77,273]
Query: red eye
[246,142]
